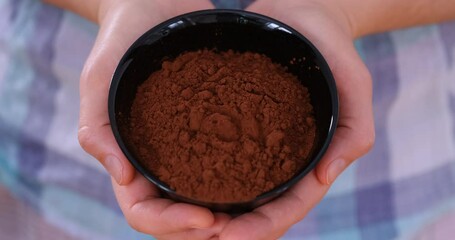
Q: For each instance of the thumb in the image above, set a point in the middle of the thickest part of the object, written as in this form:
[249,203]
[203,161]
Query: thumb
[99,142]
[354,135]
[95,134]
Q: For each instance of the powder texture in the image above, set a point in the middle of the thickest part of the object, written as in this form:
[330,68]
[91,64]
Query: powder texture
[222,127]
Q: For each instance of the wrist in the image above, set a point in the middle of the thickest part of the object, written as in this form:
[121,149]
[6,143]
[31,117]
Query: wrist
[87,9]
[300,13]
[367,17]
[166,8]
[362,17]
[177,7]
[342,15]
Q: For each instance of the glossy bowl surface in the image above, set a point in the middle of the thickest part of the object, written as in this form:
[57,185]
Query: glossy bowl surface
[223,30]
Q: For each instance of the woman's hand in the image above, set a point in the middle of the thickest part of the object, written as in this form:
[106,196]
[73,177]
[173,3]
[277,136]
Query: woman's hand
[328,28]
[121,23]
[331,25]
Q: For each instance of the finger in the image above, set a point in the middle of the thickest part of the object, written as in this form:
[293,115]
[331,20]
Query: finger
[100,143]
[354,135]
[273,219]
[146,212]
[117,33]
[95,135]
[213,232]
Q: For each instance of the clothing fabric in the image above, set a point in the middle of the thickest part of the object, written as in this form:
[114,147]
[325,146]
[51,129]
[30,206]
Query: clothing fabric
[51,189]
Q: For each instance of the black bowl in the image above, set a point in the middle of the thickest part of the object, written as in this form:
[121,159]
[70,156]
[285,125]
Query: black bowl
[223,30]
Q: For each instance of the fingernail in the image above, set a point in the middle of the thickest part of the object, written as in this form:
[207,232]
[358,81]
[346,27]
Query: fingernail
[335,168]
[114,167]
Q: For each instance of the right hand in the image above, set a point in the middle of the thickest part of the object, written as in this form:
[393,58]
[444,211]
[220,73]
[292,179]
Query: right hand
[121,23]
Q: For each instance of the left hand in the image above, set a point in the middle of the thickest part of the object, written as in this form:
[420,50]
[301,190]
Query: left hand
[329,29]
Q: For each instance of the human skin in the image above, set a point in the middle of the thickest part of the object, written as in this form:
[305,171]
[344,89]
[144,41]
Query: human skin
[331,25]
[121,23]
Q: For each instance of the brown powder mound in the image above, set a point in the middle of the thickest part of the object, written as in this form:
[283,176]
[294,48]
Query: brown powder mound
[222,127]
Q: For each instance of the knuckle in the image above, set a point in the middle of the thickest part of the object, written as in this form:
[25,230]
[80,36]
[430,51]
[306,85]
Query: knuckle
[88,72]
[365,74]
[85,138]
[132,220]
[366,141]
[365,80]
[133,224]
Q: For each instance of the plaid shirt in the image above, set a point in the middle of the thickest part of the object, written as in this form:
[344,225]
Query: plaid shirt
[404,188]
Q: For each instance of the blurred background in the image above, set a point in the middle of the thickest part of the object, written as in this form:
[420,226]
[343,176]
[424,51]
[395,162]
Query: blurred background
[50,189]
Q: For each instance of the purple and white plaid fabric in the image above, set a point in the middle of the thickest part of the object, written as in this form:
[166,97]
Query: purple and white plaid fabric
[50,189]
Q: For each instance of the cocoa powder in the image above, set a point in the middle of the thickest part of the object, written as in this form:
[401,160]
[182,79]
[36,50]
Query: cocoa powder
[222,127]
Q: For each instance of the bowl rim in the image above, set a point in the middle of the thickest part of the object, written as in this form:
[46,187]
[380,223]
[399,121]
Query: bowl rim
[276,191]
